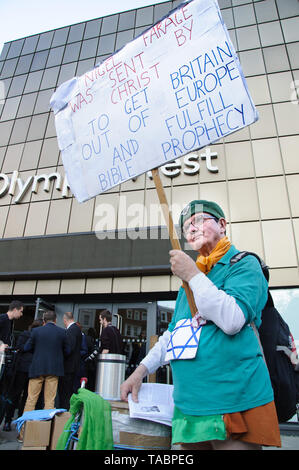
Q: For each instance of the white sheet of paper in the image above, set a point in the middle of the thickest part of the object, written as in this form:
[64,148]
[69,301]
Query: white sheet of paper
[155,403]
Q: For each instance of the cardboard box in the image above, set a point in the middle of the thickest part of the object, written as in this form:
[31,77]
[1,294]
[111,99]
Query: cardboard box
[34,448]
[37,433]
[138,433]
[58,423]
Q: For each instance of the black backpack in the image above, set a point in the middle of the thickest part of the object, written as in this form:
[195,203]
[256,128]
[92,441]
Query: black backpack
[277,343]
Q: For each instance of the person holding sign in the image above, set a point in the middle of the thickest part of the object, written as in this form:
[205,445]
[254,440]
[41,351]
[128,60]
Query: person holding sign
[222,391]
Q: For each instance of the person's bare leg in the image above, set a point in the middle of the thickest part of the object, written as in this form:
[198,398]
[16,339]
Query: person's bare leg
[206,445]
[234,444]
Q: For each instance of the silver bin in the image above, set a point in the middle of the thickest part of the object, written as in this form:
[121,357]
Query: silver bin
[110,374]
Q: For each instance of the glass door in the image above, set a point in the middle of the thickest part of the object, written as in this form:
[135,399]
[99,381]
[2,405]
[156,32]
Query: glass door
[88,317]
[136,323]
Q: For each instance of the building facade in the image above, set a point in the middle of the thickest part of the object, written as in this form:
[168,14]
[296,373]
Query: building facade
[112,251]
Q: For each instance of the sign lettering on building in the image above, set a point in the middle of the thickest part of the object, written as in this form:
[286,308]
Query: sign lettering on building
[17,188]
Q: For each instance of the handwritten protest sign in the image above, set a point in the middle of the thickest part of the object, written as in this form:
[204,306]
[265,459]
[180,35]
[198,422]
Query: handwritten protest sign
[176,88]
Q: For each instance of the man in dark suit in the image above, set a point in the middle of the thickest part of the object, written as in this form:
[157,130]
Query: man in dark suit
[72,361]
[49,345]
[15,311]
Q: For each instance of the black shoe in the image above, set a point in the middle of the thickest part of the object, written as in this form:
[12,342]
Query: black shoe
[7,427]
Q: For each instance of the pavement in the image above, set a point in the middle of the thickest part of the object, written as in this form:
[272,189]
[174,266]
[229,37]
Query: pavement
[289,438]
[8,440]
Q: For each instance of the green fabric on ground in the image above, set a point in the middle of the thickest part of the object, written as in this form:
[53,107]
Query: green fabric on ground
[96,432]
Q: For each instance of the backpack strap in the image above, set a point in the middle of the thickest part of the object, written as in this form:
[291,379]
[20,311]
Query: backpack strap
[259,340]
[238,256]
[235,259]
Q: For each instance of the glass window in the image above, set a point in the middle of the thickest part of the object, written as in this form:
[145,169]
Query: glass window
[20,130]
[291,29]
[39,60]
[287,8]
[244,15]
[9,68]
[287,118]
[280,86]
[123,38]
[24,64]
[67,72]
[89,48]
[45,40]
[33,81]
[287,303]
[30,45]
[248,38]
[225,3]
[109,24]
[2,153]
[60,36]
[10,108]
[50,152]
[15,48]
[126,20]
[165,309]
[252,62]
[85,66]
[17,85]
[50,78]
[76,32]
[161,10]
[293,54]
[276,59]
[30,155]
[92,29]
[51,130]
[144,16]
[266,11]
[5,130]
[101,59]
[228,18]
[43,101]
[5,84]
[270,33]
[27,105]
[72,52]
[106,44]
[12,158]
[4,51]
[55,56]
[37,127]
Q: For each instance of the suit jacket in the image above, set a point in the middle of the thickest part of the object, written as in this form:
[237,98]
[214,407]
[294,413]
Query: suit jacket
[72,361]
[5,328]
[49,345]
[24,358]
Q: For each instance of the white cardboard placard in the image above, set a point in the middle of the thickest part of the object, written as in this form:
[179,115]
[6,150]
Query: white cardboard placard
[174,89]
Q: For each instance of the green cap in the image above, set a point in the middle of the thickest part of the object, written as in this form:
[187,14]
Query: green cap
[200,205]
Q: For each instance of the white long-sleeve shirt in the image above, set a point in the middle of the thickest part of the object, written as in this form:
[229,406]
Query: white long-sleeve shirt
[213,304]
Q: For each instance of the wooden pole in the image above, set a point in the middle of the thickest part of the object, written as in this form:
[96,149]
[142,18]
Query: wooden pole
[175,243]
[153,341]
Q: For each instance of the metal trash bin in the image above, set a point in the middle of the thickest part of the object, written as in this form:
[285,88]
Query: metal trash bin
[110,374]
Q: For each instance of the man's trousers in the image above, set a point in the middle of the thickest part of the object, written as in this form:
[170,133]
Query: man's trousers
[34,388]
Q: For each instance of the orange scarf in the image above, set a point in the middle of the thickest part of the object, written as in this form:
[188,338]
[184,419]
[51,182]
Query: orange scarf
[205,263]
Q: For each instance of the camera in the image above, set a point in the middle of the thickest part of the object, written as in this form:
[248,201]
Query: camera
[93,355]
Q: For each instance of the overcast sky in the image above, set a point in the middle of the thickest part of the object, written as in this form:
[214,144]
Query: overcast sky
[20,18]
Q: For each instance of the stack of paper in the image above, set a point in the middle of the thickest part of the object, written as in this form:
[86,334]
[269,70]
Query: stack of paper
[155,403]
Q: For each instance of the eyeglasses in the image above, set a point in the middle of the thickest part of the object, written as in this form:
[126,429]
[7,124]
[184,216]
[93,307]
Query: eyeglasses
[197,221]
